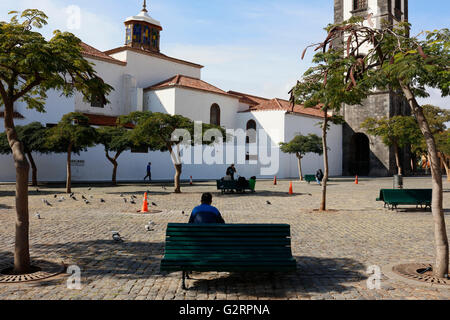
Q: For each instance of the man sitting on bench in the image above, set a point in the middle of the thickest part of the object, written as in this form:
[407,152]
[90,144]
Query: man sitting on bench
[206,213]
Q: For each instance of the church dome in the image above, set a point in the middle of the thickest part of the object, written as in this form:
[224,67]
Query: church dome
[143,16]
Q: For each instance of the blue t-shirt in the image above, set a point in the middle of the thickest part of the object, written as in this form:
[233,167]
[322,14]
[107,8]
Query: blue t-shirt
[149,168]
[206,214]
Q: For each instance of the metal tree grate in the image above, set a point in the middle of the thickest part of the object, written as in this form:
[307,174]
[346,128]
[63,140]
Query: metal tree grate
[44,270]
[420,272]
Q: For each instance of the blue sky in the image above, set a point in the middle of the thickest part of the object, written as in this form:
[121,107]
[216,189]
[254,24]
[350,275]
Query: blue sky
[250,46]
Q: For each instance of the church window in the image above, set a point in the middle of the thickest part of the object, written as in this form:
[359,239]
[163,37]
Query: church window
[359,4]
[137,33]
[128,35]
[215,114]
[251,132]
[97,102]
[146,36]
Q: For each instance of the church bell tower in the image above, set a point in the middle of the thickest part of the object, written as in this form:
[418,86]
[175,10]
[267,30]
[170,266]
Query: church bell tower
[142,31]
[365,155]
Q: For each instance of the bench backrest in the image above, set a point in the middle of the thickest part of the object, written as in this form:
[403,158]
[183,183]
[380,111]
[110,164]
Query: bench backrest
[244,240]
[226,184]
[406,195]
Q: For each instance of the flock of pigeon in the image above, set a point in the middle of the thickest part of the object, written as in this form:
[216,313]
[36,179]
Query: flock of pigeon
[115,234]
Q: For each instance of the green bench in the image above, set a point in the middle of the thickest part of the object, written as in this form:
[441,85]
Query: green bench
[232,185]
[227,248]
[310,178]
[395,197]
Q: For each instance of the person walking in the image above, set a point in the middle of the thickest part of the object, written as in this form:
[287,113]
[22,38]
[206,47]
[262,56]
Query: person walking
[206,213]
[149,172]
[319,176]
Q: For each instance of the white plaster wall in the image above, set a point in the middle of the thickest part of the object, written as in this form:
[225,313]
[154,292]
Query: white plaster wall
[196,105]
[48,165]
[114,75]
[311,163]
[149,70]
[160,101]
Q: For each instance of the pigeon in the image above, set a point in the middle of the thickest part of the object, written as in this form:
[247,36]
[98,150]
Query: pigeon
[268,202]
[133,196]
[62,199]
[83,197]
[154,204]
[164,188]
[132,201]
[73,198]
[92,197]
[116,236]
[121,195]
[125,200]
[148,228]
[182,212]
[46,202]
[86,201]
[90,189]
[38,216]
[55,196]
[72,194]
[102,200]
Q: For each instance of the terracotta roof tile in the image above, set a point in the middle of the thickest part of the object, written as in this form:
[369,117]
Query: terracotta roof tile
[284,105]
[103,121]
[153,54]
[91,52]
[249,99]
[190,83]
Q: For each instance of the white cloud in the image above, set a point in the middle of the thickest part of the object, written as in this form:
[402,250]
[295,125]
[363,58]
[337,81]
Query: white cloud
[95,29]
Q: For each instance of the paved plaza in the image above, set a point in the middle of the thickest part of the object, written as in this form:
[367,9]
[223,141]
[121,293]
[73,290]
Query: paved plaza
[333,250]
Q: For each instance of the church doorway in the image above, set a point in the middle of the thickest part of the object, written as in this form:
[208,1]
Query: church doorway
[360,155]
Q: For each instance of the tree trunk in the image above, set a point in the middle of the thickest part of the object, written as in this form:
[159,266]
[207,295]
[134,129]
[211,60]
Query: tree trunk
[34,181]
[397,160]
[69,170]
[440,232]
[115,165]
[299,159]
[444,162]
[323,205]
[22,261]
[178,169]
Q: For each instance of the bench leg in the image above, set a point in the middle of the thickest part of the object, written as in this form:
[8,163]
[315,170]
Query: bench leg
[183,284]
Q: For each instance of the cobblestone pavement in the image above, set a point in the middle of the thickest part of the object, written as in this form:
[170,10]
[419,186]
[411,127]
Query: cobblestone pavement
[333,249]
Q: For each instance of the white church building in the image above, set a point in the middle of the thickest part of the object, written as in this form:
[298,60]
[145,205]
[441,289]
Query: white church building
[144,79]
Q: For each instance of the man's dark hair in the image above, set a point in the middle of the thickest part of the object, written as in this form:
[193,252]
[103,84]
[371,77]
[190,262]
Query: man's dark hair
[207,198]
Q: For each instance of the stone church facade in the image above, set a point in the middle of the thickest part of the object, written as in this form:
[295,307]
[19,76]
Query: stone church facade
[363,154]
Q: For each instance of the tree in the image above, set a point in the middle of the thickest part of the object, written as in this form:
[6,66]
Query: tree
[156,130]
[437,119]
[29,67]
[32,137]
[407,65]
[114,139]
[324,85]
[302,145]
[72,134]
[397,132]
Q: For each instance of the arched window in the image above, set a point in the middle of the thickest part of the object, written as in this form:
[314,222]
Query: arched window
[215,114]
[251,131]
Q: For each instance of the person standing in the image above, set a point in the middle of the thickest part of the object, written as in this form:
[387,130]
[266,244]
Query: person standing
[231,171]
[149,172]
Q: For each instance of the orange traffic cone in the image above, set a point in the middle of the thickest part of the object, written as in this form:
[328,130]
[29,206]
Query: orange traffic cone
[356,180]
[145,204]
[275,181]
[291,188]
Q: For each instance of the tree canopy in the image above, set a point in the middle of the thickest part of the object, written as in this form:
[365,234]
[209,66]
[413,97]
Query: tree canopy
[302,145]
